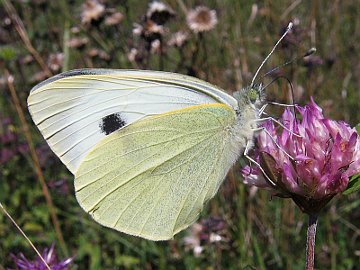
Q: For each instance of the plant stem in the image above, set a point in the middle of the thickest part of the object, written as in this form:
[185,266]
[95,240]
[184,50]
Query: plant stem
[310,243]
[35,159]
[20,28]
[27,239]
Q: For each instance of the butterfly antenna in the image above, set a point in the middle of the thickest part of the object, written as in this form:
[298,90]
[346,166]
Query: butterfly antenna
[288,28]
[291,90]
[289,82]
[27,239]
[308,53]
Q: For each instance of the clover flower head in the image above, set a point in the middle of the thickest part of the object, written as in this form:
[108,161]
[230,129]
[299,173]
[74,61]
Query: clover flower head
[325,156]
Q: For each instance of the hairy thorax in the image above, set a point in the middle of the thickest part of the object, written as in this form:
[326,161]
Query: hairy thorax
[241,134]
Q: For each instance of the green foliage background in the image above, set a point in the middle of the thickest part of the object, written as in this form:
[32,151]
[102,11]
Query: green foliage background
[263,232]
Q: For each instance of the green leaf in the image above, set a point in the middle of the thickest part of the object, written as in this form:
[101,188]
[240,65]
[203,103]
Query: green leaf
[33,227]
[354,184]
[358,128]
[7,53]
[127,261]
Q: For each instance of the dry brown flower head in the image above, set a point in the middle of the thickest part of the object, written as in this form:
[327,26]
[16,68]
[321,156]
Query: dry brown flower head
[178,39]
[114,18]
[93,10]
[159,12]
[201,19]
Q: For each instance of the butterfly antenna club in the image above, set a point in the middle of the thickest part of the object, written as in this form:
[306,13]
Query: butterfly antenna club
[306,54]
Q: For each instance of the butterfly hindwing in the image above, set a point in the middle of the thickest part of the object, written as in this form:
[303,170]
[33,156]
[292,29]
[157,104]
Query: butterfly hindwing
[76,110]
[152,178]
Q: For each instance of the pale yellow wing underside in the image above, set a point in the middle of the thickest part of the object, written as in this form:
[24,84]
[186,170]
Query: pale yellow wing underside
[152,178]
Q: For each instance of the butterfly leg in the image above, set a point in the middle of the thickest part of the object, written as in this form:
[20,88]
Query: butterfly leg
[281,104]
[279,123]
[274,140]
[262,109]
[246,155]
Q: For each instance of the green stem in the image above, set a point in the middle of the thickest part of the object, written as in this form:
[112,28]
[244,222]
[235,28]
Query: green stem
[310,243]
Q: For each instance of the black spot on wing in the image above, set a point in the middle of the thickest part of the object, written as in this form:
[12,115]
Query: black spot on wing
[111,123]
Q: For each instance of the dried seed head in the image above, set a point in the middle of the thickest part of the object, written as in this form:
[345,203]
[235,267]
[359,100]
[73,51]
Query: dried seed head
[94,52]
[155,46]
[159,12]
[178,39]
[78,43]
[150,31]
[114,19]
[201,19]
[55,61]
[92,11]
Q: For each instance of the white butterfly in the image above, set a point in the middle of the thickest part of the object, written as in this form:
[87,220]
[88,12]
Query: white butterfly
[148,149]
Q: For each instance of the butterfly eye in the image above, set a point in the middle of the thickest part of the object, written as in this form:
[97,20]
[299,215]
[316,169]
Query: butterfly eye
[253,95]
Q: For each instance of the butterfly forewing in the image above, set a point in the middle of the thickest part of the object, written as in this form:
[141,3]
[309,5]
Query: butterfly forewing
[152,178]
[76,110]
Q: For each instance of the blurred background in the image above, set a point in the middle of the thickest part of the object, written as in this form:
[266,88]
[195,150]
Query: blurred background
[222,42]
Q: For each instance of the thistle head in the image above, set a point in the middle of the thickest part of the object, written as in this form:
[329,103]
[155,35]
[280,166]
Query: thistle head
[49,255]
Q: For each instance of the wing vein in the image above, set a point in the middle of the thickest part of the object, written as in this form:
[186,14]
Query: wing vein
[147,146]
[141,172]
[189,190]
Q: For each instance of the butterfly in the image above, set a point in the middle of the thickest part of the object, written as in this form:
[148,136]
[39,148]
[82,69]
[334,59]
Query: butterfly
[148,149]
